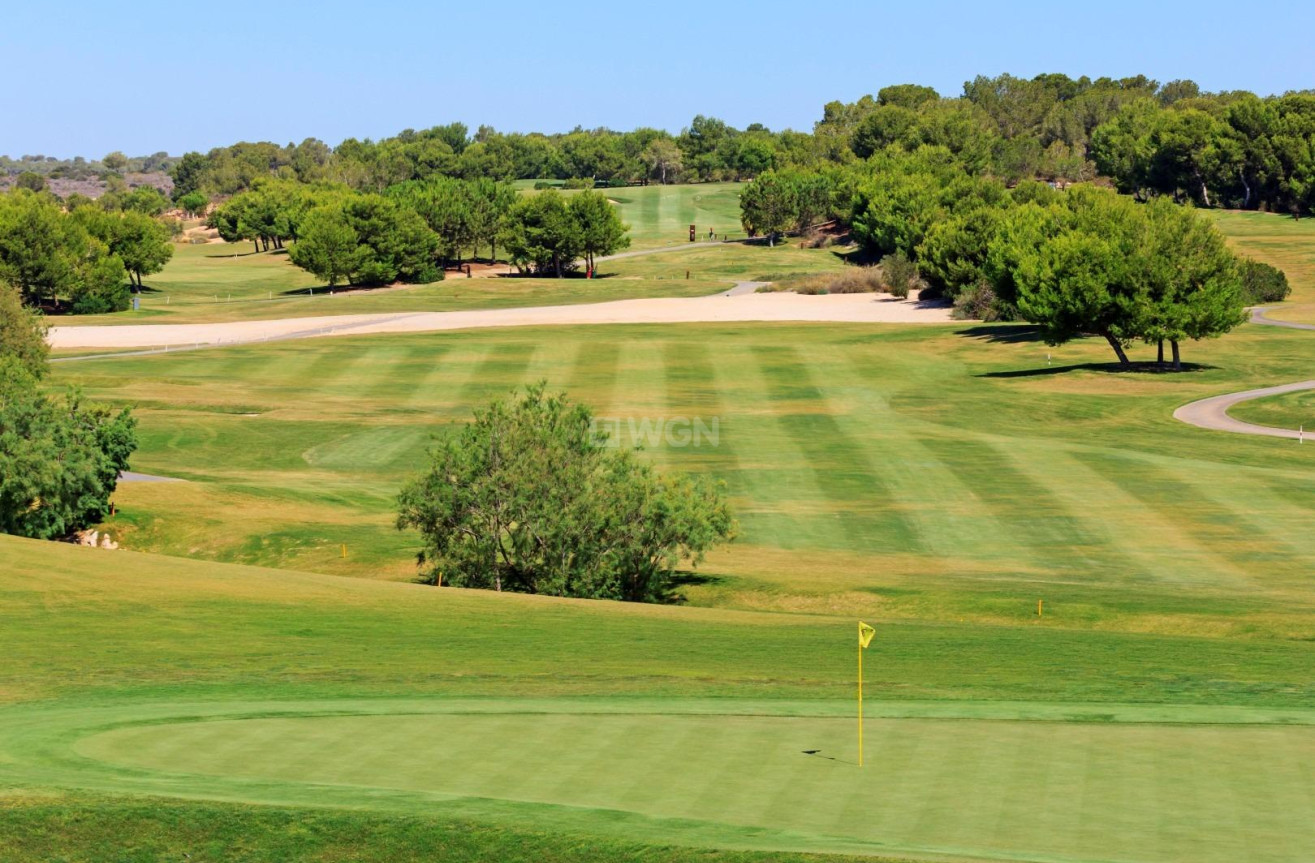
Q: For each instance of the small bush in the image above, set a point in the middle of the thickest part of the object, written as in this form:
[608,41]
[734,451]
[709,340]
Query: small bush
[978,303]
[1262,283]
[899,275]
[579,183]
[853,280]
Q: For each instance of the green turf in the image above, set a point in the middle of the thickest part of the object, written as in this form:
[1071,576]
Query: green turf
[661,215]
[905,472]
[133,674]
[935,480]
[1289,411]
[746,776]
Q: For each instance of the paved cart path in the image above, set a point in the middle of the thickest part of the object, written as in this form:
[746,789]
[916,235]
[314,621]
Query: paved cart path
[1212,413]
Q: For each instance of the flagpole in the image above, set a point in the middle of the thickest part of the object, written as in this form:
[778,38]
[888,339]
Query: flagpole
[860,701]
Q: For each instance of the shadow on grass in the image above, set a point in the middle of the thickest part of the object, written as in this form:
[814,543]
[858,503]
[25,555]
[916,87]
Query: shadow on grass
[684,578]
[1006,333]
[817,753]
[237,254]
[1106,368]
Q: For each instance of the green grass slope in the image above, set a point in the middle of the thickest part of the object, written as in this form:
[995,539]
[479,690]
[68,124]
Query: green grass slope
[661,215]
[1282,242]
[597,727]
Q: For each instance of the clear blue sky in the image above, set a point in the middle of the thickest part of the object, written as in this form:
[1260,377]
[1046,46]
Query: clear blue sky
[84,78]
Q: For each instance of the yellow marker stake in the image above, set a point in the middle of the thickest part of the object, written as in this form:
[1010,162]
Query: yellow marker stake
[865,634]
[1040,604]
[344,551]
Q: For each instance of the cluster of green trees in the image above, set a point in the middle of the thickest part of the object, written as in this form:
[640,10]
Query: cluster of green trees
[365,239]
[1220,149]
[1225,149]
[85,258]
[709,149]
[1096,263]
[529,498]
[1232,148]
[788,200]
[60,457]
[548,233]
[411,230]
[1080,261]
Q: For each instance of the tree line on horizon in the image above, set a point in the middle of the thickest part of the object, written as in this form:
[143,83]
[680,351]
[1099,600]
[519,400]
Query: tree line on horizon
[1231,148]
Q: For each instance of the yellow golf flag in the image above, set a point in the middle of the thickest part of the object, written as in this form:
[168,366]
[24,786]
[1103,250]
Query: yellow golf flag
[865,634]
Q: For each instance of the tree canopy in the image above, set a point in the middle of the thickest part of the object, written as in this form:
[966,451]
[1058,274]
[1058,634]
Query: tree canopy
[1095,263]
[529,498]
[60,457]
[367,240]
[50,257]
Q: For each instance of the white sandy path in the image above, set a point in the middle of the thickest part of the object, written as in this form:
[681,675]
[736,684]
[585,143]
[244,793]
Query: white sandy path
[738,305]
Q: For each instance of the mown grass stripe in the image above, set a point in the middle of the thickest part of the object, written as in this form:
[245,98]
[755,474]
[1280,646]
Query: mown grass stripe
[785,508]
[501,369]
[592,378]
[868,512]
[1225,530]
[1158,547]
[1037,523]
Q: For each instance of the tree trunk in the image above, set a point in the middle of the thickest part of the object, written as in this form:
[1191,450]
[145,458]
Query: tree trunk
[255,243]
[1118,349]
[1177,360]
[1160,354]
[1246,202]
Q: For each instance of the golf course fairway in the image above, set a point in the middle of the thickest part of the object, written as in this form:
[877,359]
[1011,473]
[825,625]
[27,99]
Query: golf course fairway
[971,781]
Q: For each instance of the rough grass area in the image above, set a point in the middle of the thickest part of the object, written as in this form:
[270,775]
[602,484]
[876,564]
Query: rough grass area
[730,261]
[1283,242]
[852,280]
[87,829]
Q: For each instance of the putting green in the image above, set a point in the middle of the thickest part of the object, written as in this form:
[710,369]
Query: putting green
[936,786]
